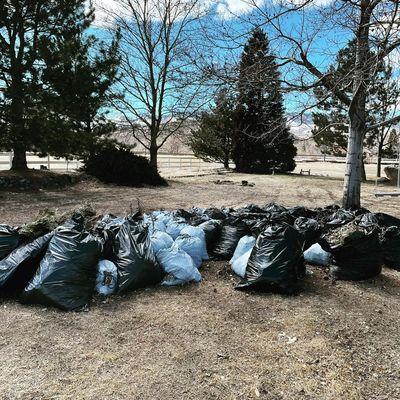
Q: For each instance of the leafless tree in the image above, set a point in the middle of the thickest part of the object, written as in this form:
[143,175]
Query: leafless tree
[160,83]
[386,104]
[298,27]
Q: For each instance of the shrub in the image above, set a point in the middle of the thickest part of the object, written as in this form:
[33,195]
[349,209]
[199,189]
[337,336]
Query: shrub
[117,164]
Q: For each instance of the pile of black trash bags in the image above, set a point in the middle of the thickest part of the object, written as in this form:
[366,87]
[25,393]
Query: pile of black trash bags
[268,247]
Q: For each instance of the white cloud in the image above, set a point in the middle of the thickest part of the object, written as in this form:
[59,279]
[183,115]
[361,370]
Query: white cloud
[104,9]
[314,3]
[231,8]
[228,7]
[225,8]
[107,10]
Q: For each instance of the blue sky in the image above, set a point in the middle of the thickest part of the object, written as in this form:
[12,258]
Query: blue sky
[239,15]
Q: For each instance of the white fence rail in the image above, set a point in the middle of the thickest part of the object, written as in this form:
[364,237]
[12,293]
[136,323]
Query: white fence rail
[165,161]
[34,161]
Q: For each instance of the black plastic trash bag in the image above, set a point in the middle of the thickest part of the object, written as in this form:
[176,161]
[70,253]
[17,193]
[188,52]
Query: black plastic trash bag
[186,215]
[258,226]
[324,215]
[232,231]
[332,207]
[105,231]
[300,211]
[276,262]
[391,247]
[251,208]
[134,258]
[359,257]
[360,211]
[281,217]
[212,230]
[274,208]
[214,213]
[110,222]
[339,218]
[198,219]
[252,218]
[9,239]
[19,267]
[67,273]
[381,219]
[310,229]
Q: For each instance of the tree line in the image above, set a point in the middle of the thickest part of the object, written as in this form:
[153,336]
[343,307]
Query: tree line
[155,64]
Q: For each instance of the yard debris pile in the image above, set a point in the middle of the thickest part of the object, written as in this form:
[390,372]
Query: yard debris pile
[63,259]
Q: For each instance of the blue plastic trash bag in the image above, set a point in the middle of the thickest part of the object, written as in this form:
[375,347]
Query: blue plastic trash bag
[245,244]
[191,245]
[164,216]
[239,264]
[195,231]
[160,241]
[317,256]
[106,279]
[155,225]
[179,266]
[154,222]
[174,228]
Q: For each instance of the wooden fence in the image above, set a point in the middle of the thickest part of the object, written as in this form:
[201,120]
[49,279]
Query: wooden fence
[34,161]
[165,161]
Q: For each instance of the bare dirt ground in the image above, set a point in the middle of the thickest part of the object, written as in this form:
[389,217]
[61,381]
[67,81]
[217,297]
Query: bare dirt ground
[317,168]
[332,170]
[206,341]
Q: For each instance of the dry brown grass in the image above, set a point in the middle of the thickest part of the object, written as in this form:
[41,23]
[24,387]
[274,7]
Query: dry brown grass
[206,341]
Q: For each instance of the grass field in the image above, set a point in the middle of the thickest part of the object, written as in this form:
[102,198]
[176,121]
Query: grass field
[206,341]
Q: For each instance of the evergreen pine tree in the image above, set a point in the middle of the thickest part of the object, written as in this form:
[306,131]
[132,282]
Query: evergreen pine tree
[35,91]
[263,142]
[78,79]
[212,141]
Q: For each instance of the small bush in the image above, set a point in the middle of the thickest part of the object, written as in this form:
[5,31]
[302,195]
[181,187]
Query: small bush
[117,164]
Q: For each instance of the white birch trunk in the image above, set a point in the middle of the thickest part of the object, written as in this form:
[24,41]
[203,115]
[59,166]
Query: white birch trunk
[357,113]
[352,178]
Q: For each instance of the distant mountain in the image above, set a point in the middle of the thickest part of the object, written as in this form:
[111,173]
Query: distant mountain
[300,125]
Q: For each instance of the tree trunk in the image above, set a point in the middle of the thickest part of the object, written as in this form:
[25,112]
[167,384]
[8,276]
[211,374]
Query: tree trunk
[352,179]
[241,162]
[19,159]
[379,167]
[17,141]
[357,113]
[226,162]
[379,162]
[363,173]
[17,128]
[241,165]
[154,156]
